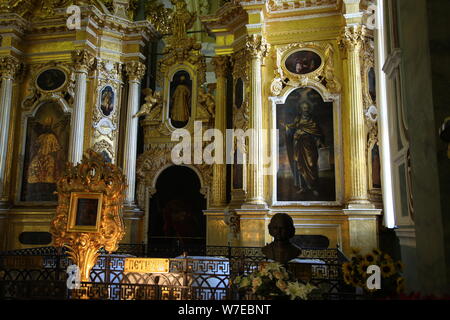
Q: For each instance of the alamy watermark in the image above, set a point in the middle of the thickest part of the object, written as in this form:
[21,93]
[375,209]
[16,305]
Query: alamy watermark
[192,149]
[74,20]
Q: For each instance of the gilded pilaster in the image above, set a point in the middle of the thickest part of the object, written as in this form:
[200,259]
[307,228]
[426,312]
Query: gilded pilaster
[257,49]
[83,61]
[352,40]
[221,64]
[135,71]
[8,68]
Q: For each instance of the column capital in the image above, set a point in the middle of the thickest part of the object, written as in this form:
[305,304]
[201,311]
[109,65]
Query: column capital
[83,60]
[256,46]
[221,64]
[135,70]
[9,67]
[353,36]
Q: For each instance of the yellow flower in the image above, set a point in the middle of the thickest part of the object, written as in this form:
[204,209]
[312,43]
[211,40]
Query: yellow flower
[278,275]
[362,267]
[399,266]
[244,283]
[297,290]
[273,266]
[387,258]
[281,285]
[387,269]
[347,268]
[400,285]
[369,258]
[356,250]
[377,252]
[348,279]
[256,282]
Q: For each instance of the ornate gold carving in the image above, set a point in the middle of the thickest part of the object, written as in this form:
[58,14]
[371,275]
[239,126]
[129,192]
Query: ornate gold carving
[103,145]
[28,8]
[9,67]
[83,60]
[233,220]
[256,46]
[153,160]
[221,64]
[66,92]
[230,11]
[182,20]
[206,104]
[152,107]
[329,72]
[159,16]
[135,70]
[108,73]
[283,5]
[241,70]
[121,8]
[324,77]
[92,175]
[353,37]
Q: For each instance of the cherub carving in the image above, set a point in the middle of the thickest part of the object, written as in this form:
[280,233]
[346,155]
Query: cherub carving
[152,107]
[207,102]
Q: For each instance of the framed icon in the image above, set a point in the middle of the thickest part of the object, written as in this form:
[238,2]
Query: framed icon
[51,80]
[302,62]
[85,212]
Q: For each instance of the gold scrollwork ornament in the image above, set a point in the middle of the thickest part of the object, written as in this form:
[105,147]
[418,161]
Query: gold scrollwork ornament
[92,175]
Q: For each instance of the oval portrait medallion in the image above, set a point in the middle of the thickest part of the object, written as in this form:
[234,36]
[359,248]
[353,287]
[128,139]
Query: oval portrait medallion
[303,62]
[51,80]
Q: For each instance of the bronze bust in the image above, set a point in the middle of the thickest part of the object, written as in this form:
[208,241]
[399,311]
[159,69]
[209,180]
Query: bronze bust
[281,250]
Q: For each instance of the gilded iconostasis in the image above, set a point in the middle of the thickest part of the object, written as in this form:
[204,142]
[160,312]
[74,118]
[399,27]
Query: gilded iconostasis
[301,79]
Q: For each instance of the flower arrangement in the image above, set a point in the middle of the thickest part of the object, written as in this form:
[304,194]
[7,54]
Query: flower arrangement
[355,273]
[272,281]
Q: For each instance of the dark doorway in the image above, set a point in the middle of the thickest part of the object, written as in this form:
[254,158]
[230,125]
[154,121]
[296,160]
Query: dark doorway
[176,219]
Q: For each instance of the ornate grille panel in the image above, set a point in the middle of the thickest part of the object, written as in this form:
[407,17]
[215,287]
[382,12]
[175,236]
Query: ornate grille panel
[41,274]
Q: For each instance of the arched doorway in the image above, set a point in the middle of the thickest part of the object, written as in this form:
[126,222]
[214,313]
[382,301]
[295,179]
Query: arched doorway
[176,220]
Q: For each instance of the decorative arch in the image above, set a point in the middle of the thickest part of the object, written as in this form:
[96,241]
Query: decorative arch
[151,164]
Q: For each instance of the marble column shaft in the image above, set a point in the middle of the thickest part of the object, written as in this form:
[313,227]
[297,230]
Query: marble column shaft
[83,61]
[8,68]
[78,118]
[135,71]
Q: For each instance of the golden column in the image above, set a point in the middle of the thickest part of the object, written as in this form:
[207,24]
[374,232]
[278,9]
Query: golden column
[219,170]
[352,40]
[257,49]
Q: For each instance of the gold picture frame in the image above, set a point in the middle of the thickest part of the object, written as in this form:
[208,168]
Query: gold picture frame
[83,205]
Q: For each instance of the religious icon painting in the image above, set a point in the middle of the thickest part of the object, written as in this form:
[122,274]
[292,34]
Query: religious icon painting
[45,154]
[107,100]
[180,99]
[372,85]
[306,170]
[376,167]
[239,93]
[303,62]
[238,170]
[85,212]
[51,80]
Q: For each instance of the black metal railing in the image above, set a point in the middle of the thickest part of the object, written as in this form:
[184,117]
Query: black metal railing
[200,273]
